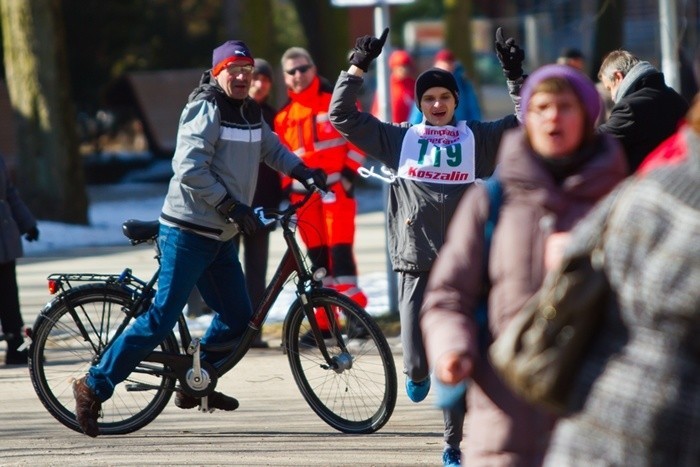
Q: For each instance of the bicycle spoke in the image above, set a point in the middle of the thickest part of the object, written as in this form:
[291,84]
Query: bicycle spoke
[65,344]
[355,392]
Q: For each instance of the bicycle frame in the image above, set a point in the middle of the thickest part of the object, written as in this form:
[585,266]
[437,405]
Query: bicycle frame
[291,262]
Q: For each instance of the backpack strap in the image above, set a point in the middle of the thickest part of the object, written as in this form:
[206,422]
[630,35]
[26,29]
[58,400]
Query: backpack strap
[495,192]
[494,189]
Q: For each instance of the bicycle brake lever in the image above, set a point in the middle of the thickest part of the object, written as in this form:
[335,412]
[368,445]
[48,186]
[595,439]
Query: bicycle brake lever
[260,214]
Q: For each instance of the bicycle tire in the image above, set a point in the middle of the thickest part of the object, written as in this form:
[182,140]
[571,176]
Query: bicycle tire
[359,399]
[60,353]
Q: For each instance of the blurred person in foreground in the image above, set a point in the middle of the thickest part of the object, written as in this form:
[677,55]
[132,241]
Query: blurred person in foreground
[635,400]
[326,224]
[15,220]
[646,111]
[468,107]
[434,164]
[552,171]
[221,140]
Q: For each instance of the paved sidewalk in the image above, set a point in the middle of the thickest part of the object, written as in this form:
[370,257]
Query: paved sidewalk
[273,426]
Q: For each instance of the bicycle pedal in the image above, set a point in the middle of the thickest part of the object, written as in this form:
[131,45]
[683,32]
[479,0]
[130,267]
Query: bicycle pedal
[204,405]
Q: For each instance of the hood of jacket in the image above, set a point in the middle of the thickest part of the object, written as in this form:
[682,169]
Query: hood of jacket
[523,170]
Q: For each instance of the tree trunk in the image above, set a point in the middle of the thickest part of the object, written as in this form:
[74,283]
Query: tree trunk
[326,29]
[458,22]
[49,173]
[608,33]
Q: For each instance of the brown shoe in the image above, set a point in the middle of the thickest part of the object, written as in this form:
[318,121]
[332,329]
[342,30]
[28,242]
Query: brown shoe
[87,407]
[216,400]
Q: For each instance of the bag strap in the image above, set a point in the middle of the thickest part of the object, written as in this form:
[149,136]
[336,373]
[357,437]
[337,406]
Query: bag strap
[494,190]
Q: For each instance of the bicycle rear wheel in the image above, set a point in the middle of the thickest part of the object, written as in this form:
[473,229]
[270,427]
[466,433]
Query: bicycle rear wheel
[357,392]
[69,336]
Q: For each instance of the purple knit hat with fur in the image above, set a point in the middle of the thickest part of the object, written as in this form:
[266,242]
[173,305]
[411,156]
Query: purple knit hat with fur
[582,85]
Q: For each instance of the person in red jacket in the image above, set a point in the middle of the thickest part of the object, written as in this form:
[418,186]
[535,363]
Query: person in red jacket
[402,85]
[326,225]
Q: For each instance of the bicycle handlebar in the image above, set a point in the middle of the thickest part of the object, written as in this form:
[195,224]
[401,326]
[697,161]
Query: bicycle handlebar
[268,216]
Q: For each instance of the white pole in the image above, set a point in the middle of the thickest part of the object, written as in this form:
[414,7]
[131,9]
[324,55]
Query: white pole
[381,21]
[668,29]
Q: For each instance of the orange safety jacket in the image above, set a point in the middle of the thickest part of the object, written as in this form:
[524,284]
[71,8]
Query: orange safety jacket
[304,127]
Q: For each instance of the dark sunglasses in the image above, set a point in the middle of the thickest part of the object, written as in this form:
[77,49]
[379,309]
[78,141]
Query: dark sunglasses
[300,68]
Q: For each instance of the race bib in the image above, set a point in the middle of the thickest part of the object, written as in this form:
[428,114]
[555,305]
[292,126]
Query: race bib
[438,154]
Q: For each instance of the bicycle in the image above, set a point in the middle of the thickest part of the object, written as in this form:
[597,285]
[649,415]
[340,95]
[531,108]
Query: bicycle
[346,375]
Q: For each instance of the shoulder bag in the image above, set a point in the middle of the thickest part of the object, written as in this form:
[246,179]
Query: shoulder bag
[540,351]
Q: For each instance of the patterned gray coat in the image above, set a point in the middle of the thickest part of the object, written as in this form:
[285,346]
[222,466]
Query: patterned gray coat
[15,218]
[639,388]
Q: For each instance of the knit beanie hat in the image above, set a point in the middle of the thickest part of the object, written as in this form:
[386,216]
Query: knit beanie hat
[229,52]
[435,77]
[262,67]
[581,84]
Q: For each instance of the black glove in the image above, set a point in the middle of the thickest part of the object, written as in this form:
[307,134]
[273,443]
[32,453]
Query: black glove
[510,55]
[367,48]
[310,178]
[32,235]
[240,214]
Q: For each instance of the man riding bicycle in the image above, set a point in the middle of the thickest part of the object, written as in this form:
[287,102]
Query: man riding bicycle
[221,140]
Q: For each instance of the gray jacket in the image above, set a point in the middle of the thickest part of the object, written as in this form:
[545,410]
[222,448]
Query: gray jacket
[220,144]
[418,212]
[15,218]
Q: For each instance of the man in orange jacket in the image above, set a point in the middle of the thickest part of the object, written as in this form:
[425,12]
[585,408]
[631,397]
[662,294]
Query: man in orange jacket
[327,226]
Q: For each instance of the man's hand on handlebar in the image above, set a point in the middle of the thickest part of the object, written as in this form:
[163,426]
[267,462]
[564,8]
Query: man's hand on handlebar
[240,214]
[312,179]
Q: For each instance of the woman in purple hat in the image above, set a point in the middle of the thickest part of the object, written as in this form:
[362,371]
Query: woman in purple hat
[552,170]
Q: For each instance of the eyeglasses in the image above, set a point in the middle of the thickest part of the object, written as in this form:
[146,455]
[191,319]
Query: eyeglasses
[235,70]
[300,68]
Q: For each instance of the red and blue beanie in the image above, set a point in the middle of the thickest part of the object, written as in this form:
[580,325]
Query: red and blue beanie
[229,52]
[581,84]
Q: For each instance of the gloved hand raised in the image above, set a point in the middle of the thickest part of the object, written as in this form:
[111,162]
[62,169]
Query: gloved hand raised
[32,235]
[366,49]
[310,178]
[240,214]
[510,55]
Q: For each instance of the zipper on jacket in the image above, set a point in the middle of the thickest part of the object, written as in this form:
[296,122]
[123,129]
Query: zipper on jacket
[250,130]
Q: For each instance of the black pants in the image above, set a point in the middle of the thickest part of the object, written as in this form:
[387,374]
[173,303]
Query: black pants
[10,316]
[256,251]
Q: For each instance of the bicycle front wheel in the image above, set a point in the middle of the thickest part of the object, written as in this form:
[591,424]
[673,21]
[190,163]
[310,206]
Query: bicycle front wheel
[354,391]
[69,336]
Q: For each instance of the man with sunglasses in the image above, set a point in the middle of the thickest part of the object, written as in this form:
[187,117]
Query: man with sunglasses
[327,226]
[221,140]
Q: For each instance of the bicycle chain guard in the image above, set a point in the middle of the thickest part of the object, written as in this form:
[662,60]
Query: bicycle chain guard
[199,380]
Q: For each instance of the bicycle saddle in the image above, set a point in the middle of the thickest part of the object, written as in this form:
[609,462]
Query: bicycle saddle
[140,231]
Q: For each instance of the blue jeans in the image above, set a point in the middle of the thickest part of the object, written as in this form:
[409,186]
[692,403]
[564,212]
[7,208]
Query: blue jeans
[188,259]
